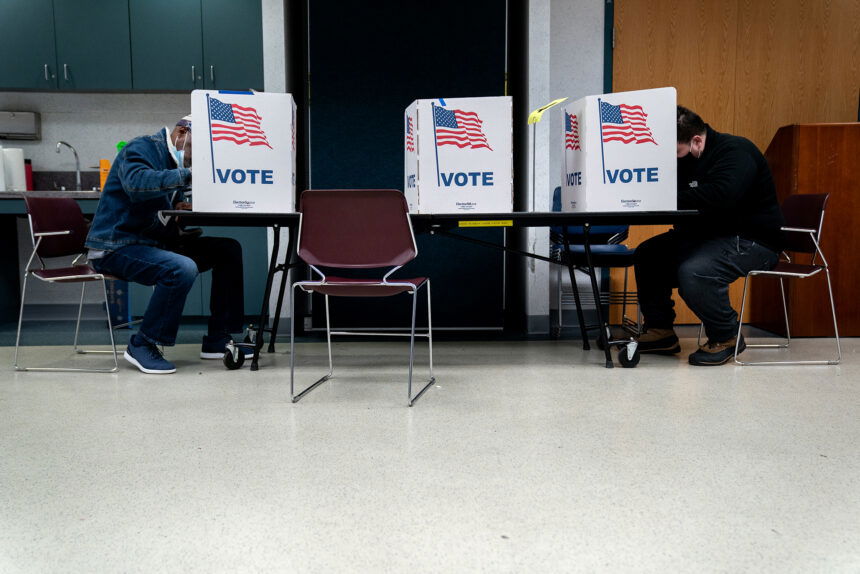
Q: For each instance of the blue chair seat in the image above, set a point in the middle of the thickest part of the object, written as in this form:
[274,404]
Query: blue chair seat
[603,255]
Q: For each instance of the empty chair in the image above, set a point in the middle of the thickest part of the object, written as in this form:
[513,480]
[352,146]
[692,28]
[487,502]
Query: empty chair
[58,229]
[804,218]
[358,229]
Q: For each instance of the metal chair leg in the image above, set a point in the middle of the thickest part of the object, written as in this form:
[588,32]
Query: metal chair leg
[115,367]
[835,327]
[787,342]
[297,397]
[412,349]
[586,346]
[410,397]
[20,319]
[430,331]
[788,334]
[78,322]
[785,312]
[110,328]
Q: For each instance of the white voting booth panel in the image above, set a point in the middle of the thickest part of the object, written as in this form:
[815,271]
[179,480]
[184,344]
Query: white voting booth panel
[620,152]
[458,155]
[244,146]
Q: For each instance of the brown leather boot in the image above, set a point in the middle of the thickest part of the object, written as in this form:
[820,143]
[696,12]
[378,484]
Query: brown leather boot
[658,342]
[712,354]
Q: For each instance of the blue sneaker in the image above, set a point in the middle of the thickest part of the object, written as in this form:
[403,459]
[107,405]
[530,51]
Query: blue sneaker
[147,357]
[214,347]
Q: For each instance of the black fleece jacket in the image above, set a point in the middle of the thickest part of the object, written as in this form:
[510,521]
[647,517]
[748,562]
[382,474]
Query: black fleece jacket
[731,185]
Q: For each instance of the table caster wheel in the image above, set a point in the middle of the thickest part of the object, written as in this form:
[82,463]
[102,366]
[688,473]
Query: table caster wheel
[234,358]
[628,355]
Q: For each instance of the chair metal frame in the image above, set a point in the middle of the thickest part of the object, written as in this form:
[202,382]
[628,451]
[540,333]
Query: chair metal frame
[607,297]
[37,238]
[308,287]
[814,235]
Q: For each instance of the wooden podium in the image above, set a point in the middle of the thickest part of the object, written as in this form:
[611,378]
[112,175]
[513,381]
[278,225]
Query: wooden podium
[817,158]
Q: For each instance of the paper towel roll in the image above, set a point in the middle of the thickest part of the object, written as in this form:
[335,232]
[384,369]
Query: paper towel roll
[16,178]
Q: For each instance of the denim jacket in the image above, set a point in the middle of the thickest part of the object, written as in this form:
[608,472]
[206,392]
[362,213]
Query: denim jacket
[143,180]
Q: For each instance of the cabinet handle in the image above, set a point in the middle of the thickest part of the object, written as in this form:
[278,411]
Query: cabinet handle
[46,72]
[212,74]
[193,75]
[66,72]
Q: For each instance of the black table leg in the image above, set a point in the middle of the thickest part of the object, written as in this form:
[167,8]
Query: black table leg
[604,326]
[264,307]
[586,346]
[285,276]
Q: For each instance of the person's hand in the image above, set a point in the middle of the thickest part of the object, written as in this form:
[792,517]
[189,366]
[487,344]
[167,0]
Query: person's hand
[183,205]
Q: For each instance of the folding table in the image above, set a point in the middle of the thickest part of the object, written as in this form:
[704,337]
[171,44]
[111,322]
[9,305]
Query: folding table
[437,223]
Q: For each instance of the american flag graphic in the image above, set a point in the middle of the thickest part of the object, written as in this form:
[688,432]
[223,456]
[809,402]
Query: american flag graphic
[235,123]
[459,128]
[571,132]
[623,123]
[410,135]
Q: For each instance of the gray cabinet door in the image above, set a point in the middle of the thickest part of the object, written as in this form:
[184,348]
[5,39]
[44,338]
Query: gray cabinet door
[93,47]
[27,53]
[166,46]
[233,44]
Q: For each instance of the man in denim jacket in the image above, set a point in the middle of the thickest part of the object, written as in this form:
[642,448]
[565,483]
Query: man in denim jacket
[130,241]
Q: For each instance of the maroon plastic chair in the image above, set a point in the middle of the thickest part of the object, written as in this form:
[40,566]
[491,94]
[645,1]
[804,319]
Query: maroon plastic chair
[804,218]
[58,229]
[358,229]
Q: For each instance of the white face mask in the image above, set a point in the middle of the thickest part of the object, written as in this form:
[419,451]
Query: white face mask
[179,154]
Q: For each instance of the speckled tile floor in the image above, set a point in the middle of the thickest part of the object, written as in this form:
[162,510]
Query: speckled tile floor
[527,456]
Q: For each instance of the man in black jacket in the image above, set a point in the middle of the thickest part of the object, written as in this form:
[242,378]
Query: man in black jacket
[728,180]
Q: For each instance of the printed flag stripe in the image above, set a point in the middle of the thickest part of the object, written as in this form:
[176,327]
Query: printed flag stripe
[410,138]
[571,132]
[459,128]
[238,124]
[627,124]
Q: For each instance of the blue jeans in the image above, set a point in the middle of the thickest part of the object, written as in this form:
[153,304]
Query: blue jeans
[173,272]
[702,270]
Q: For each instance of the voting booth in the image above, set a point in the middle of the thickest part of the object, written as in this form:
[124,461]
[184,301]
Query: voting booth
[244,146]
[620,152]
[458,155]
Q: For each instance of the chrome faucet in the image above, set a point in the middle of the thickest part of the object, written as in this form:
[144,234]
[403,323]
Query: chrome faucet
[77,163]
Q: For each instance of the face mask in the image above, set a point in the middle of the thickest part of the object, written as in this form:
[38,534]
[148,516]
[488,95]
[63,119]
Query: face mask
[179,154]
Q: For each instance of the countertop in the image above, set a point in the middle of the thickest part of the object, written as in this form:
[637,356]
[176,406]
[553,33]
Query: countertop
[51,193]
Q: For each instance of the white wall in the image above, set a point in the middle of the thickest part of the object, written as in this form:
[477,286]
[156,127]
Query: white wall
[92,123]
[565,60]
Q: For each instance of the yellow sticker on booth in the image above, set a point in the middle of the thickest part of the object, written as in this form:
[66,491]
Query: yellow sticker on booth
[487,223]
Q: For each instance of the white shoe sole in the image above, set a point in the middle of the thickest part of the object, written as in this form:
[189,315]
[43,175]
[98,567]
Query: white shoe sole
[143,369]
[205,355]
